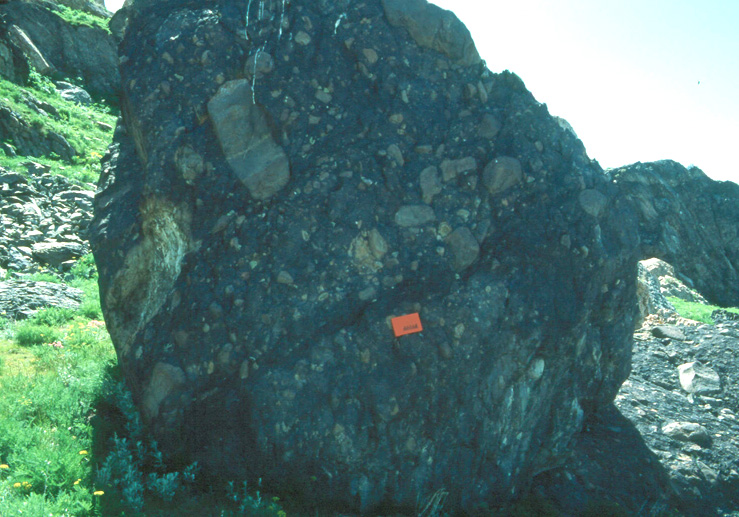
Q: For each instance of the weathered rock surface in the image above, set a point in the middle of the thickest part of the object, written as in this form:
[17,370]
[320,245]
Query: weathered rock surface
[252,320]
[288,177]
[649,295]
[96,7]
[67,50]
[13,63]
[694,433]
[43,220]
[30,140]
[20,299]
[669,284]
[690,222]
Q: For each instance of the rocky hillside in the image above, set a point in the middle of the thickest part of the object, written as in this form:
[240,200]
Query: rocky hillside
[62,40]
[52,137]
[690,221]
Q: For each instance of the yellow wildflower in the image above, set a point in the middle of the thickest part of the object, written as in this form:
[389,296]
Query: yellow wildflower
[77,482]
[98,493]
[4,467]
[83,453]
[16,485]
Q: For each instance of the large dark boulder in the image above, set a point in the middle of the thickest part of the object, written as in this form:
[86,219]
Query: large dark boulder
[279,191]
[288,177]
[689,221]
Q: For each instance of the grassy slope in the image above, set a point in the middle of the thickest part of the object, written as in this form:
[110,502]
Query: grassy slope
[79,125]
[697,311]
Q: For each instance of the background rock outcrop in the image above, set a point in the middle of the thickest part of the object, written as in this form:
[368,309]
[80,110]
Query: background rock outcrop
[34,33]
[689,221]
[380,170]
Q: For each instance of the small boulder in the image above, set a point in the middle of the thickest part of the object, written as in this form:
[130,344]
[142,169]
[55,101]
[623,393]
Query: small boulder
[20,299]
[54,253]
[688,432]
[669,332]
[73,93]
[698,379]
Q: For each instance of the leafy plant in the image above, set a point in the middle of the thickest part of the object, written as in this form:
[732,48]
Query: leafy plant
[45,277]
[29,333]
[53,316]
[84,268]
[40,82]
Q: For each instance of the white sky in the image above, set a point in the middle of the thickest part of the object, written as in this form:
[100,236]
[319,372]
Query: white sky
[113,5]
[639,80]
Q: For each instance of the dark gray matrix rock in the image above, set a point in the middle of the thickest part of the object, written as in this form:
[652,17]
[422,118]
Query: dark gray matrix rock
[286,180]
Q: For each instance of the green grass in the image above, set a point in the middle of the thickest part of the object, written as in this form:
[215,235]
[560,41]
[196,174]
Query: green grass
[77,124]
[53,367]
[76,17]
[697,311]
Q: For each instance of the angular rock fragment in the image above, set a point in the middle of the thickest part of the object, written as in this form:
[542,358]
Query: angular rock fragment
[501,174]
[251,151]
[465,248]
[688,432]
[414,215]
[666,331]
[56,252]
[698,379]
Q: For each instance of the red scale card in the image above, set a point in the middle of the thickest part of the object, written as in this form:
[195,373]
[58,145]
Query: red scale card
[408,324]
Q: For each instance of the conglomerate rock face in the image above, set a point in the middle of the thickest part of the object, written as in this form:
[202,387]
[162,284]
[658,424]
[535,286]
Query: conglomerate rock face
[288,177]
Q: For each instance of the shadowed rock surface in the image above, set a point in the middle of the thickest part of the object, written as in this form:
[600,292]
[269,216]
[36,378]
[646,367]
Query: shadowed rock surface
[690,421]
[670,439]
[251,318]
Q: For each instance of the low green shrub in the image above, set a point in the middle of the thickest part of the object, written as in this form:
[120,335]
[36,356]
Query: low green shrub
[90,309]
[82,18]
[84,268]
[45,276]
[28,333]
[53,316]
